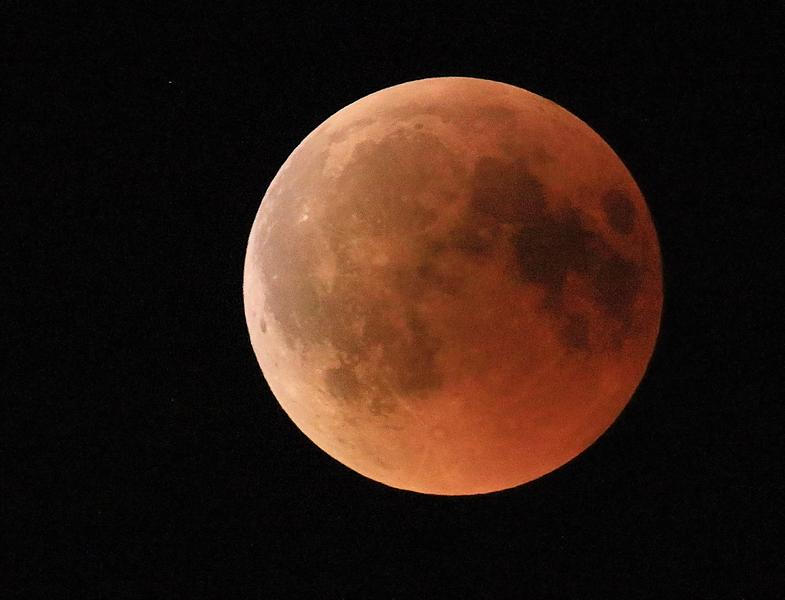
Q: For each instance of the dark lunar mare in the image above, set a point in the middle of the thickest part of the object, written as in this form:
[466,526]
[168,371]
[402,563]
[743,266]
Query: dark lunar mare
[549,244]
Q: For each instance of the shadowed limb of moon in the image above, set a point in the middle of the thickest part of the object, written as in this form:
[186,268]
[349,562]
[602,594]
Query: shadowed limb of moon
[453,286]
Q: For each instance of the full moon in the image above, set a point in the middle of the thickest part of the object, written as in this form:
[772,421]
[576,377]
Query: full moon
[453,286]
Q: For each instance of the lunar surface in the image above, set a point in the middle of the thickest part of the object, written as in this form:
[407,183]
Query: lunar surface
[453,286]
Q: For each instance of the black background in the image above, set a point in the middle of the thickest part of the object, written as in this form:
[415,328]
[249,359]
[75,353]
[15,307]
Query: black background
[146,456]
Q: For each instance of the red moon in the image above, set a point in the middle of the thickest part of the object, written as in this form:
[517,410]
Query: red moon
[453,286]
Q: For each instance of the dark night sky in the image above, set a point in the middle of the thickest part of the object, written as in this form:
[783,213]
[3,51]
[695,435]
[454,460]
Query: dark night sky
[146,457]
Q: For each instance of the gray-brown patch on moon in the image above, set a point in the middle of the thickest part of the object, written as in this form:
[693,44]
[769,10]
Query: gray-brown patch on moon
[619,211]
[549,247]
[342,382]
[559,244]
[576,332]
[551,242]
[470,240]
[617,282]
[393,353]
[506,190]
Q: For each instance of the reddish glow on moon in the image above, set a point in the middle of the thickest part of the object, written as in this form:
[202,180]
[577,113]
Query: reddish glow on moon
[453,286]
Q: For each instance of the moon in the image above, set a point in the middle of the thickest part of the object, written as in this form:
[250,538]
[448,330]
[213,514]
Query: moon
[453,286]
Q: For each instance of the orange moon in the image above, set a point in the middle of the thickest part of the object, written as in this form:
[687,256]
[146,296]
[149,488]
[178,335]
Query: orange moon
[453,286]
